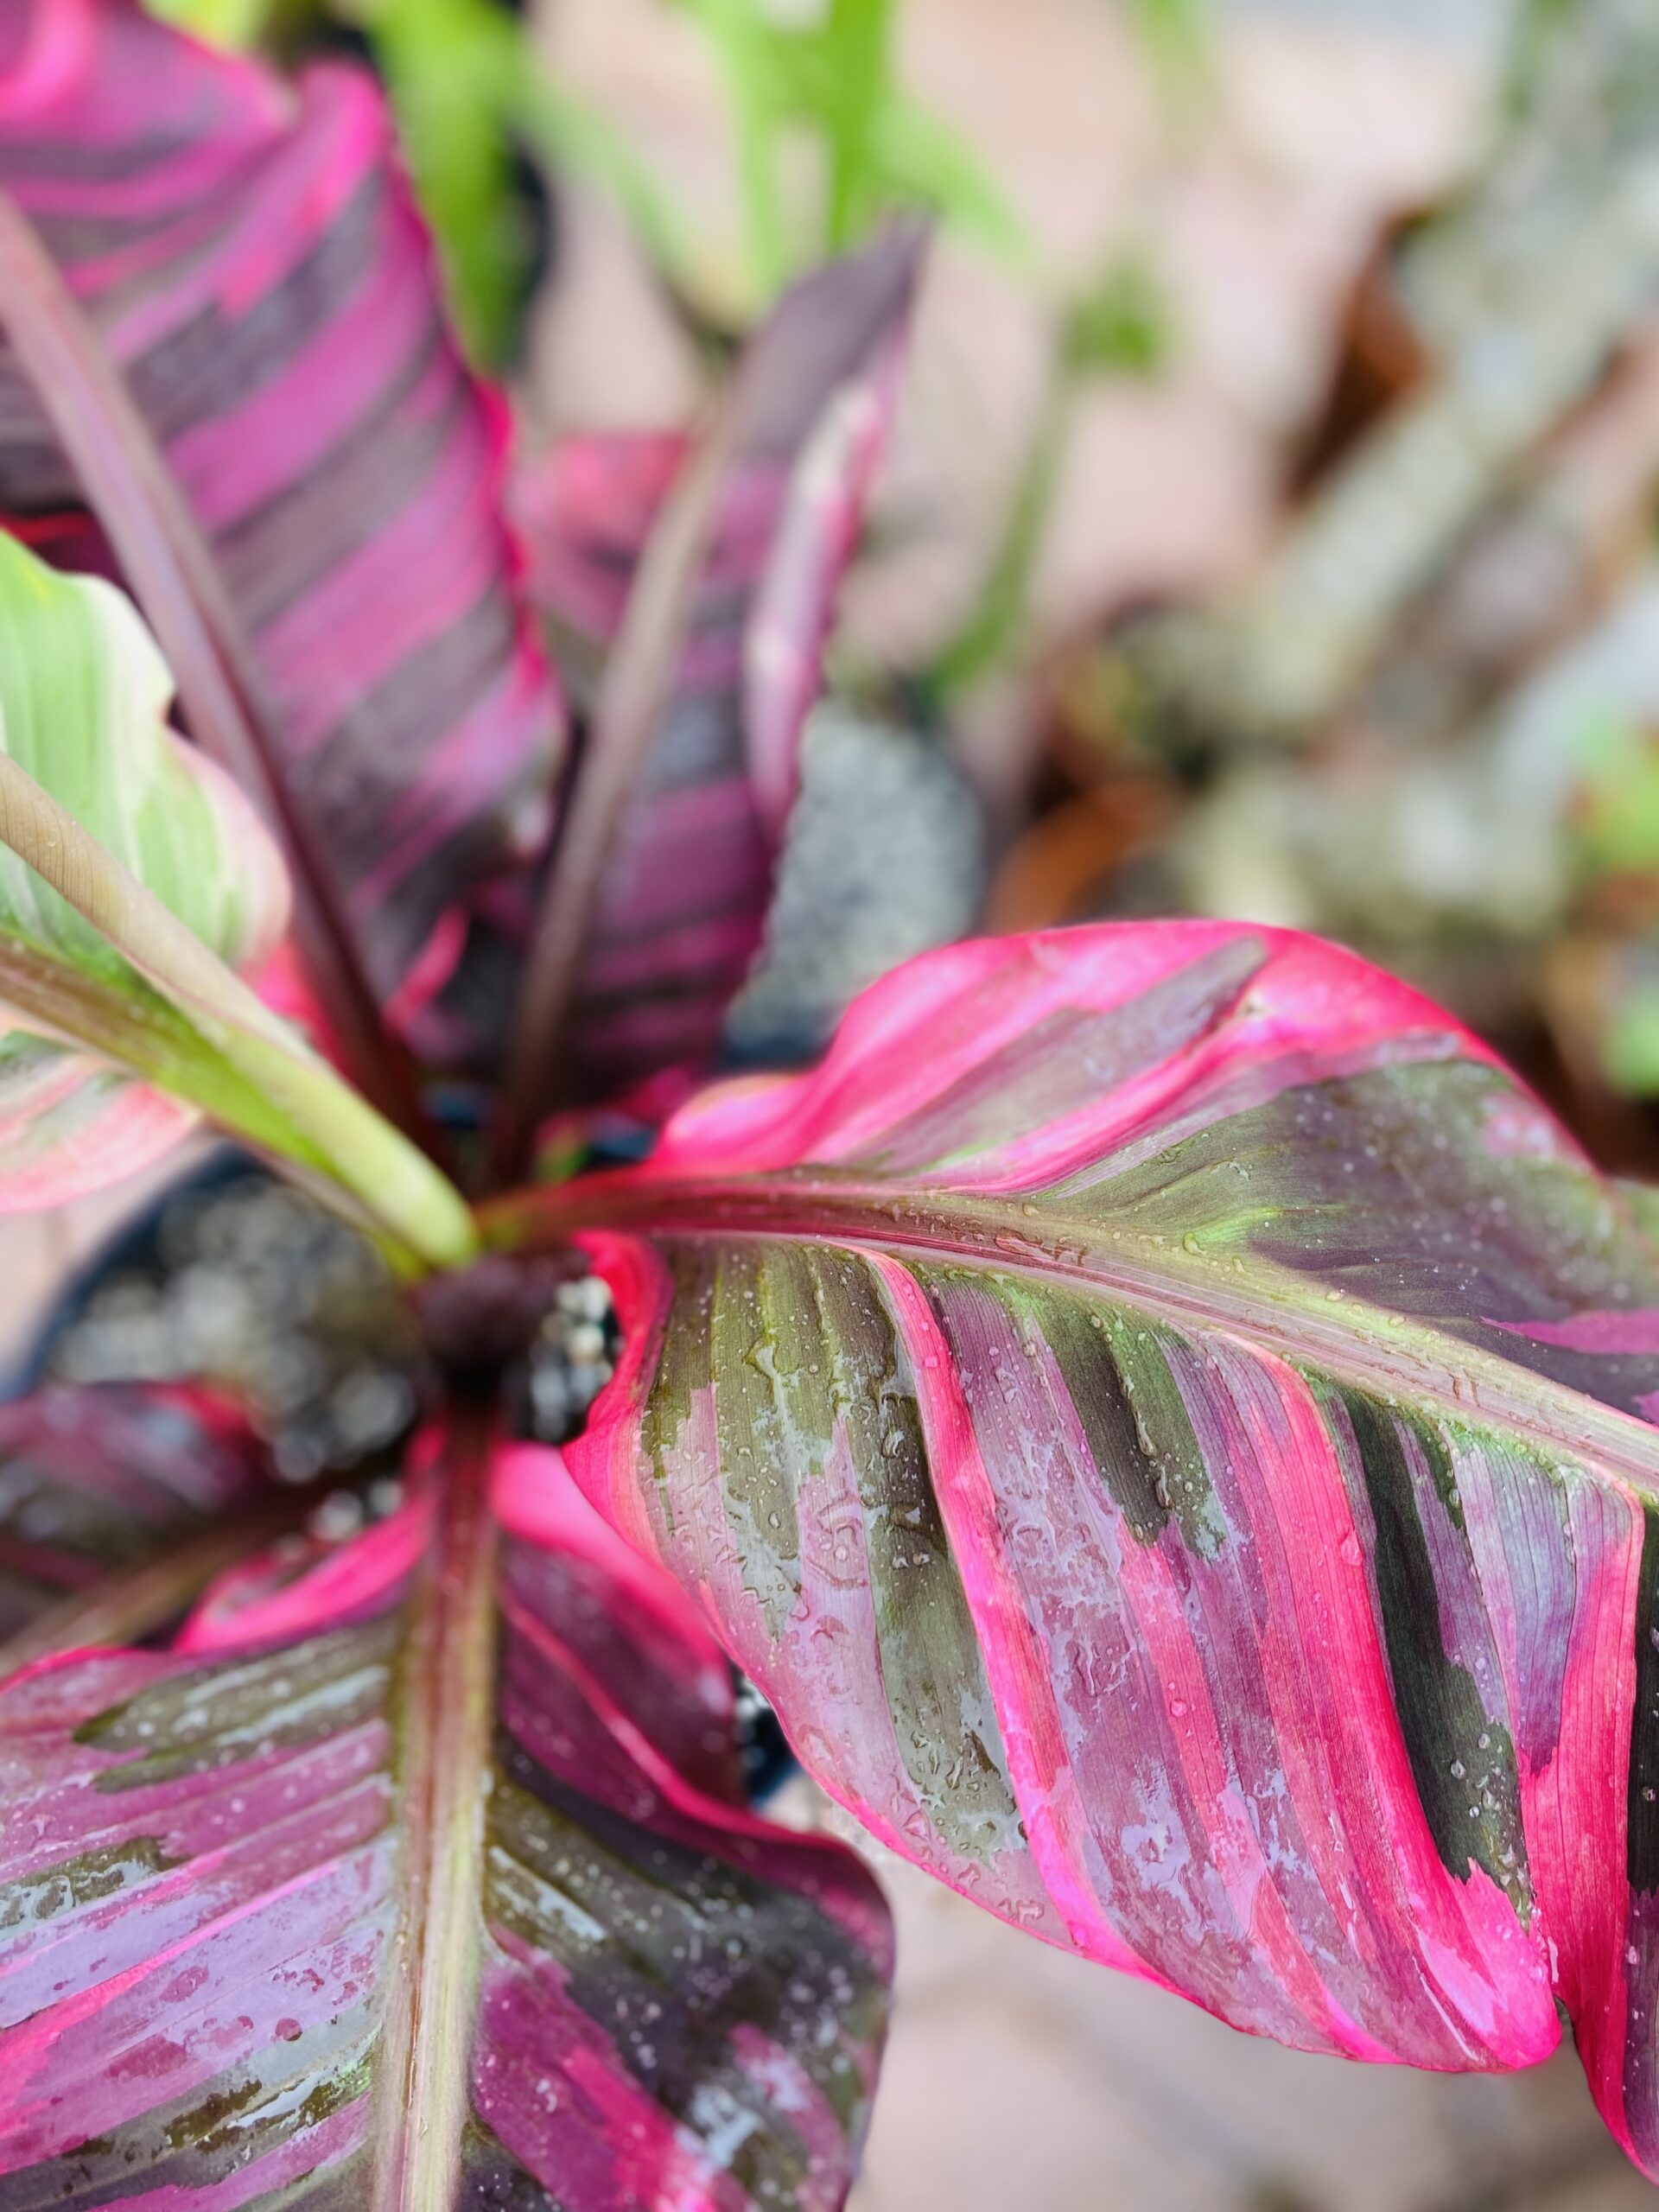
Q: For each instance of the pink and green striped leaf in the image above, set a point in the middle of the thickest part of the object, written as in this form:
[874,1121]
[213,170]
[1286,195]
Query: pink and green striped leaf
[681,907]
[331,1905]
[250,255]
[1166,1418]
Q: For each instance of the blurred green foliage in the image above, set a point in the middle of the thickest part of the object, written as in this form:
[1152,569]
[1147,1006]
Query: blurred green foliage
[827,140]
[221,23]
[454,70]
[1615,850]
[1122,323]
[1119,325]
[1176,37]
[1616,831]
[1630,1053]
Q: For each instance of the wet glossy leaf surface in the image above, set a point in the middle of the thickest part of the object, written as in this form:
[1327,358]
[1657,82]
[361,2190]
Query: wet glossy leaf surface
[224,1870]
[1166,1418]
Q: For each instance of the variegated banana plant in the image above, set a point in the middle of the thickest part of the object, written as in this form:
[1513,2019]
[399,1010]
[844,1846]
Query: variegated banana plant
[1166,1418]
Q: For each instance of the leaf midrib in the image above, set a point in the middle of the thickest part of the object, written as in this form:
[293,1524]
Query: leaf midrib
[444,1722]
[1292,1315]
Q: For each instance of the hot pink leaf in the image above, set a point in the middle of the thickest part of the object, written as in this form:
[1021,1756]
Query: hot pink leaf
[681,911]
[639,1633]
[250,256]
[1160,1411]
[314,1901]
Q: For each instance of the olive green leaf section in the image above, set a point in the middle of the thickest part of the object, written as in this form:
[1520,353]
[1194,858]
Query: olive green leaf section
[136,881]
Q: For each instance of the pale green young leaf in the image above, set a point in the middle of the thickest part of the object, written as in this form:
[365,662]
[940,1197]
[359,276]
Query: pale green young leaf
[133,873]
[84,695]
[84,699]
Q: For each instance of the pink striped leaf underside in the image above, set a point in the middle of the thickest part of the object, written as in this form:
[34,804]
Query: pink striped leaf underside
[69,1125]
[250,254]
[99,1480]
[682,908]
[252,1952]
[1166,1418]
